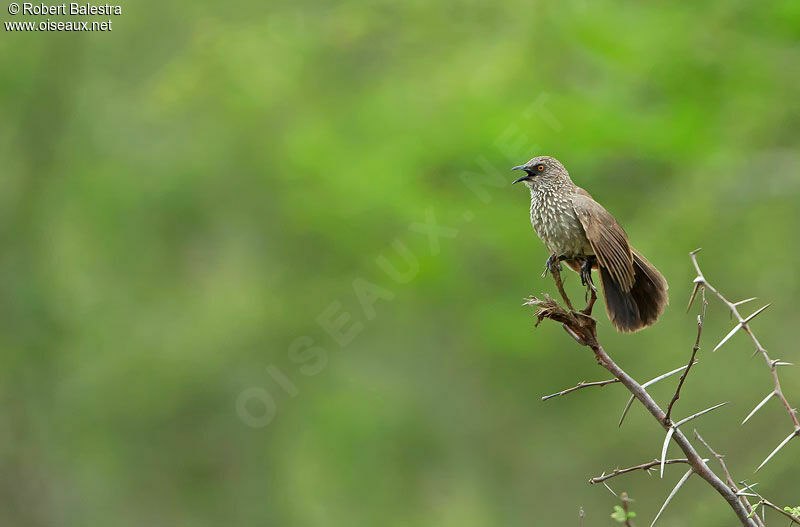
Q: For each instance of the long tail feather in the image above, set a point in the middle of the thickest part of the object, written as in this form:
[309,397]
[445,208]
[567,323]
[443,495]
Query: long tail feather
[641,306]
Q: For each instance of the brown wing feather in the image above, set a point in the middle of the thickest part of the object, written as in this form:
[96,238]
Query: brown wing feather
[607,238]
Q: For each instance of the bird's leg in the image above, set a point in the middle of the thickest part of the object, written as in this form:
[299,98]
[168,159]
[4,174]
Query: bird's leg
[554,267]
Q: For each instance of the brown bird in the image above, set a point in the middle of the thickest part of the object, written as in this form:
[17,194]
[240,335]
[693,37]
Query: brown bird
[579,231]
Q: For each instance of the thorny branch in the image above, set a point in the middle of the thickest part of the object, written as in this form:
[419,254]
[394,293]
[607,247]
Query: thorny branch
[582,327]
[700,320]
[644,466]
[582,384]
[700,283]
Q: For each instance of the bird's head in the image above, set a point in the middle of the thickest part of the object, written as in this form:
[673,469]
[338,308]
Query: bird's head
[542,169]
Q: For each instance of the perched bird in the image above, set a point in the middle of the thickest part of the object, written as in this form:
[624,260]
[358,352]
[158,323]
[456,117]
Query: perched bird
[580,232]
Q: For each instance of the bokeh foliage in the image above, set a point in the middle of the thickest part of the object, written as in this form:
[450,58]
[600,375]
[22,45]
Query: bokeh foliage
[182,197]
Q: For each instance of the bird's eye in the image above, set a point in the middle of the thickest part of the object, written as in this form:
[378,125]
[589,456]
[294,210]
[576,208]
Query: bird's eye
[540,168]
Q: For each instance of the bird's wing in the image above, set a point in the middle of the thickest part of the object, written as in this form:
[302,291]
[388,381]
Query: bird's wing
[608,240]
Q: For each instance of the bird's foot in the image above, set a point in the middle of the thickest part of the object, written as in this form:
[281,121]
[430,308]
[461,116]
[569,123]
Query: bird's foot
[586,276]
[552,264]
[591,290]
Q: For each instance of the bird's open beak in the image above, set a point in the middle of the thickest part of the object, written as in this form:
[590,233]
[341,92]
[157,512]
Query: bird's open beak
[526,177]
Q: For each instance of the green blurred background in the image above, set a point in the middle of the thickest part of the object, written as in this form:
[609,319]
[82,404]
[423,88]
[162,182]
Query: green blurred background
[186,196]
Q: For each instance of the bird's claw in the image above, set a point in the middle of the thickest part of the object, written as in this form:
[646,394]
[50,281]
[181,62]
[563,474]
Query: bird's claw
[552,265]
[586,275]
[586,281]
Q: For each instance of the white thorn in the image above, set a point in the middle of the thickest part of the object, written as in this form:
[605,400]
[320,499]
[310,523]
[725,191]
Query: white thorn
[740,302]
[664,376]
[758,407]
[756,313]
[783,444]
[609,489]
[728,336]
[625,411]
[664,448]
[672,494]
[748,487]
[698,414]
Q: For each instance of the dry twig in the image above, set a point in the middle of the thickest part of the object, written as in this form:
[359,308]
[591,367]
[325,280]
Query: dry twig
[582,384]
[700,320]
[644,466]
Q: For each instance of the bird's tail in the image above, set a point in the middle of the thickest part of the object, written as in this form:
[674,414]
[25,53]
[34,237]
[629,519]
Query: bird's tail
[641,306]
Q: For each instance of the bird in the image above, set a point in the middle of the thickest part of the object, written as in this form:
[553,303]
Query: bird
[580,232]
